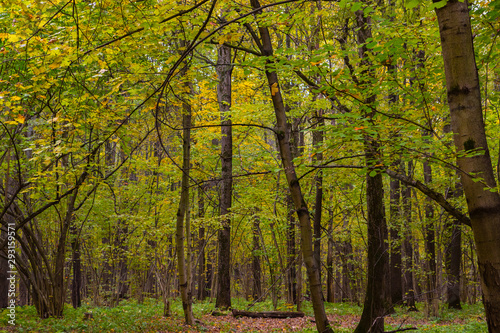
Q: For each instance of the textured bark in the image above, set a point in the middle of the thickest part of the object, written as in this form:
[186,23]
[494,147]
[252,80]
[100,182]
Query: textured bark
[224,70]
[283,138]
[374,307]
[432,308]
[256,269]
[202,284]
[464,100]
[76,285]
[408,276]
[330,293]
[182,212]
[396,285]
[291,254]
[318,183]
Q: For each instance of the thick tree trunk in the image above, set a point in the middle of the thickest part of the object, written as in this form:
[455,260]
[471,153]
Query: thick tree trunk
[464,100]
[283,138]
[224,70]
[374,308]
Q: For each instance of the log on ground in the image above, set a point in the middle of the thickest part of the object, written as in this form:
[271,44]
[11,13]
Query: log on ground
[268,314]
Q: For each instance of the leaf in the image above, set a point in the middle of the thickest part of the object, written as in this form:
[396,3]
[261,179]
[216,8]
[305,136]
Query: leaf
[412,4]
[356,6]
[274,88]
[373,173]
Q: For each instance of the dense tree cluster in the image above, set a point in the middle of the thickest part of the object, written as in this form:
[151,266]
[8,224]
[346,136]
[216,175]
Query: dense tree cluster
[338,151]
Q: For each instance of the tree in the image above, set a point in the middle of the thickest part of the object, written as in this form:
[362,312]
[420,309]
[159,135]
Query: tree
[473,157]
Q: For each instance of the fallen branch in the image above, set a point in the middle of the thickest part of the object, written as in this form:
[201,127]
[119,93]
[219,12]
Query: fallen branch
[269,314]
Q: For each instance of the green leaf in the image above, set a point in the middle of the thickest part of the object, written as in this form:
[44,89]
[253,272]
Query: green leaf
[373,173]
[356,6]
[412,4]
[439,4]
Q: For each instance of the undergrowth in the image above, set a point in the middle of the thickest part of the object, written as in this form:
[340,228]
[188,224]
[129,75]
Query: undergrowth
[131,316]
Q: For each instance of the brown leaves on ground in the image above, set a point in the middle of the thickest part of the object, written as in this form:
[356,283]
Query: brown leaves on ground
[227,323]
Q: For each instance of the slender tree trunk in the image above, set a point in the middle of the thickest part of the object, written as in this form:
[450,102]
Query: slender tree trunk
[202,283]
[256,269]
[432,308]
[182,212]
[408,275]
[464,100]
[318,183]
[224,69]
[76,285]
[291,253]
[395,229]
[330,278]
[283,138]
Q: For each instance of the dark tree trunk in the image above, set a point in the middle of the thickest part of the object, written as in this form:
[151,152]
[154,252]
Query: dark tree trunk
[394,232]
[202,278]
[374,308]
[432,307]
[453,256]
[76,285]
[291,254]
[256,269]
[409,292]
[330,278]
[318,183]
[224,69]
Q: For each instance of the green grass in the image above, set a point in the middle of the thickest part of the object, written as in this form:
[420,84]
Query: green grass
[130,316]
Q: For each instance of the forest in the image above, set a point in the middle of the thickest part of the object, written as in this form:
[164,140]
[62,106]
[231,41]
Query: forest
[176,165]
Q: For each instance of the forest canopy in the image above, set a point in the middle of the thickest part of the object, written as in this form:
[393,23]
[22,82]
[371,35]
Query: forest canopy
[335,151]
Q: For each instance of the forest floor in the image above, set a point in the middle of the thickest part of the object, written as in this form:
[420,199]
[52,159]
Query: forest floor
[130,317]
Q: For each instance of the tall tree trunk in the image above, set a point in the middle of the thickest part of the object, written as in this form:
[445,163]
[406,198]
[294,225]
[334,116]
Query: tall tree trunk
[395,262]
[256,269]
[464,100]
[374,308]
[76,285]
[408,276]
[318,183]
[291,253]
[330,293]
[224,69]
[283,138]
[182,212]
[202,279]
[432,308]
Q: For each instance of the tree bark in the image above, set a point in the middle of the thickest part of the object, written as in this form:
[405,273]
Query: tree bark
[184,285]
[224,69]
[374,308]
[464,100]
[432,308]
[283,138]
[394,232]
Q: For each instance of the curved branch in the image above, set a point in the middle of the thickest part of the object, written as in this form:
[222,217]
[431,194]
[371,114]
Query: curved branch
[429,192]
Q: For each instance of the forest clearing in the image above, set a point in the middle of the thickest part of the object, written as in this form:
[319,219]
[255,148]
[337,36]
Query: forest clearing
[174,165]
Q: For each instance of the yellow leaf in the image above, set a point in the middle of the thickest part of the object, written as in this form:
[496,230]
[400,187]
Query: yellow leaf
[274,88]
[20,118]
